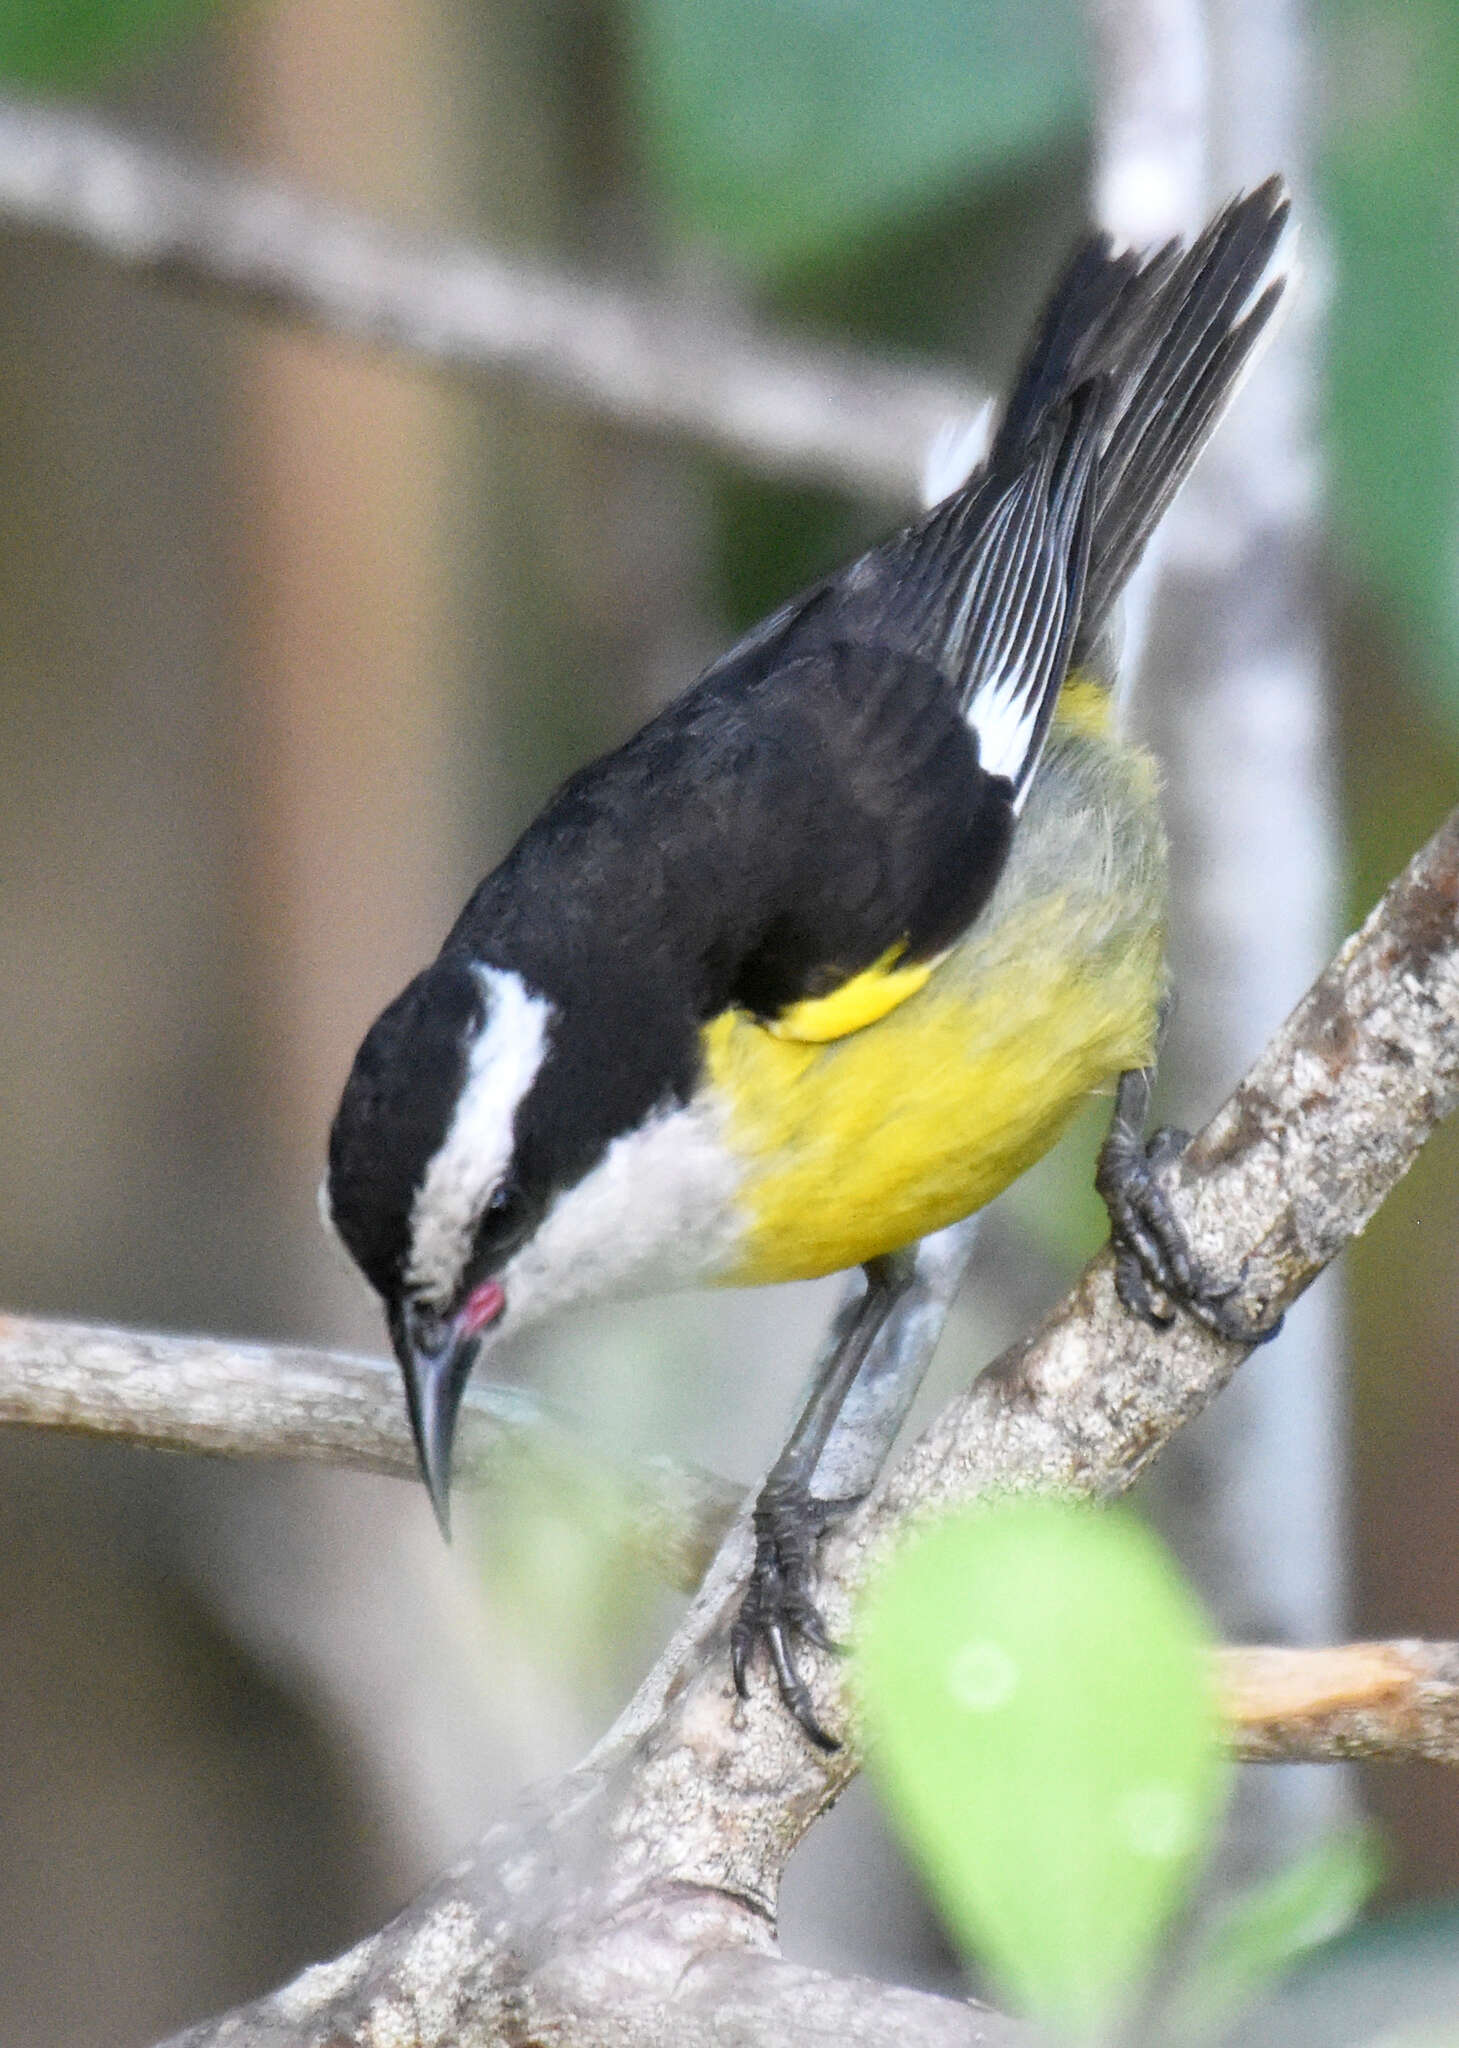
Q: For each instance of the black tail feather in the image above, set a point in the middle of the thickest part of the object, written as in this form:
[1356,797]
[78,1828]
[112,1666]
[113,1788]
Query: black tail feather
[1011,579]
[1172,334]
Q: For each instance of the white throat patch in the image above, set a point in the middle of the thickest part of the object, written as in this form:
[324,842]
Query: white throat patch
[658,1211]
[503,1063]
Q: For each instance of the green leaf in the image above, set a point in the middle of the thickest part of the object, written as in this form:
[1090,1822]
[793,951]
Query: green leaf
[1036,1690]
[68,42]
[1266,1930]
[785,128]
[1390,1983]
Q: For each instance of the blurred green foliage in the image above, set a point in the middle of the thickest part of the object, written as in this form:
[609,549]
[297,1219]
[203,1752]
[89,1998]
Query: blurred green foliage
[1037,1696]
[1260,1934]
[72,42]
[782,128]
[787,131]
[560,1563]
[1035,1686]
[1391,1983]
[1392,186]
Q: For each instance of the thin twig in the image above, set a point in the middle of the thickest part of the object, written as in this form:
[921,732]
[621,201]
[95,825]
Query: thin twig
[825,415]
[1392,1702]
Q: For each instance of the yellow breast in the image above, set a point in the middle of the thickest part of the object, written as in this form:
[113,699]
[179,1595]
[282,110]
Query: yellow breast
[853,1145]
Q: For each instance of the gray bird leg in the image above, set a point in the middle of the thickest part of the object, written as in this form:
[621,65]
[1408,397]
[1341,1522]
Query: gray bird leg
[863,1384]
[895,1365]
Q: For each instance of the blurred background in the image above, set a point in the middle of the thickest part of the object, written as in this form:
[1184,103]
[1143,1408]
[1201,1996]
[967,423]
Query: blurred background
[293,642]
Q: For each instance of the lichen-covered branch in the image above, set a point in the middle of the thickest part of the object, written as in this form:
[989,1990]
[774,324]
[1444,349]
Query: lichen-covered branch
[824,415]
[660,1857]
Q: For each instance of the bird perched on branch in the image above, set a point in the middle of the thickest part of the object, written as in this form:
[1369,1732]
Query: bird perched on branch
[837,945]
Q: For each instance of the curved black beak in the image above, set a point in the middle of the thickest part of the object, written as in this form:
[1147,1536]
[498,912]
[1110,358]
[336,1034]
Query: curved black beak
[436,1355]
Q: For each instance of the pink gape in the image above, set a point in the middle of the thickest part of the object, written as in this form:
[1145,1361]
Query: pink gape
[482,1306]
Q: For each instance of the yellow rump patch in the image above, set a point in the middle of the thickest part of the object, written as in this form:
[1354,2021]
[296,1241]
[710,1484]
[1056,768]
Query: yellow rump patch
[1085,706]
[862,1000]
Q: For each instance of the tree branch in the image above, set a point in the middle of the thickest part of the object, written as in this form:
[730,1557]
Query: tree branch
[1150,118]
[1236,673]
[223,1399]
[1392,1702]
[825,415]
[601,1902]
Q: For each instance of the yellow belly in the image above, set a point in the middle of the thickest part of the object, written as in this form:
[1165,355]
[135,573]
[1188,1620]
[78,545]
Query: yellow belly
[856,1145]
[854,1148]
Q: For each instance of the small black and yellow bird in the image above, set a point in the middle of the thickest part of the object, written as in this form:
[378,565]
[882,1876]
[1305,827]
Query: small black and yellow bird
[838,944]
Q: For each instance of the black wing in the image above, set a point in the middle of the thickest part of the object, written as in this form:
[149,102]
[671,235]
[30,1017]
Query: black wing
[824,793]
[848,776]
[986,589]
[861,769]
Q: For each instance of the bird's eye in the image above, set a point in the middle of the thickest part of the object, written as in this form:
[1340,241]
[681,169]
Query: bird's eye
[500,1219]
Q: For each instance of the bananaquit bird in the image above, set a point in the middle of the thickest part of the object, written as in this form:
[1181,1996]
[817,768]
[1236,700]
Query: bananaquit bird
[837,945]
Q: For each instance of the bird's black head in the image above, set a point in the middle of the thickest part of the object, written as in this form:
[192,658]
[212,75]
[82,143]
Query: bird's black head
[393,1117]
[423,1186]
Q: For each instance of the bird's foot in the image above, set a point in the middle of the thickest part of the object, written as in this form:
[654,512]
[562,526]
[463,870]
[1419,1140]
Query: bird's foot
[1156,1271]
[779,1604]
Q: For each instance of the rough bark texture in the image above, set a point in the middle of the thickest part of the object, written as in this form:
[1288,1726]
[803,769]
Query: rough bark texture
[606,1900]
[1392,1702]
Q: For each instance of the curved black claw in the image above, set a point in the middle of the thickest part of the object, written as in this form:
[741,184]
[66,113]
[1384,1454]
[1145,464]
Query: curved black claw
[1156,1271]
[779,1606]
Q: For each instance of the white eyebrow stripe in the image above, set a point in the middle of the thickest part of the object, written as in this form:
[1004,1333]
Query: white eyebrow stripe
[503,1062]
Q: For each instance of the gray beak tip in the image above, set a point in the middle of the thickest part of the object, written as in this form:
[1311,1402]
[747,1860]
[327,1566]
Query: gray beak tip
[440,1503]
[435,1379]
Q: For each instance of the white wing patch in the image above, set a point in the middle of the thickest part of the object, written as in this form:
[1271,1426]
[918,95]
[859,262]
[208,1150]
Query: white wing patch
[953,453]
[993,580]
[1005,721]
[1022,600]
[477,1149]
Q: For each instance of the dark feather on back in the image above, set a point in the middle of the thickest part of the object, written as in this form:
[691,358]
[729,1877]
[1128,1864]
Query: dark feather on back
[818,797]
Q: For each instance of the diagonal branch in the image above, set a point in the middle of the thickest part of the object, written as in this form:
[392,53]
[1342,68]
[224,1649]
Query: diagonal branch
[219,1398]
[597,1908]
[823,415]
